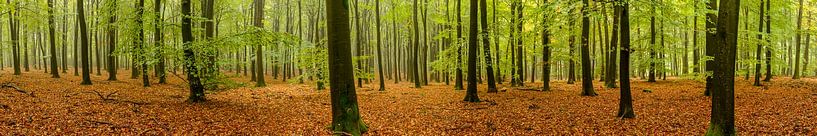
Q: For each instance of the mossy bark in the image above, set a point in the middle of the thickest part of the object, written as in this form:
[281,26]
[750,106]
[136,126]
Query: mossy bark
[346,118]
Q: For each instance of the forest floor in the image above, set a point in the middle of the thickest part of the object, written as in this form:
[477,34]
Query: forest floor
[50,106]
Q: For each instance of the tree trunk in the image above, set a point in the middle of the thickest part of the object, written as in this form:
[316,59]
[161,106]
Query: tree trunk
[379,52]
[652,48]
[193,76]
[722,122]
[86,68]
[64,38]
[571,69]
[458,76]
[797,40]
[587,75]
[759,45]
[415,53]
[52,40]
[345,113]
[112,42]
[141,44]
[520,65]
[486,44]
[15,36]
[158,36]
[769,48]
[625,105]
[710,44]
[545,53]
[425,45]
[471,92]
[610,81]
[259,54]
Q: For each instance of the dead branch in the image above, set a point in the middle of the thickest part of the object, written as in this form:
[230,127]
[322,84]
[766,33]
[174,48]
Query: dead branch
[106,97]
[18,89]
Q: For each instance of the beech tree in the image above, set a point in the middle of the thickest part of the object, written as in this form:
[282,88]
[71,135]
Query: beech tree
[722,122]
[111,67]
[486,44]
[193,77]
[625,105]
[345,113]
[52,40]
[471,92]
[587,75]
[259,54]
[83,30]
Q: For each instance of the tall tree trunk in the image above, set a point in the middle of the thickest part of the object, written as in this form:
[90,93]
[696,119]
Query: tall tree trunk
[76,46]
[358,42]
[425,45]
[652,60]
[140,9]
[345,113]
[471,92]
[520,65]
[415,56]
[696,49]
[158,36]
[52,40]
[625,105]
[806,56]
[112,42]
[86,68]
[64,37]
[379,51]
[259,54]
[496,45]
[15,37]
[722,122]
[193,76]
[769,48]
[759,45]
[486,44]
[587,75]
[711,44]
[797,40]
[571,43]
[545,52]
[610,81]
